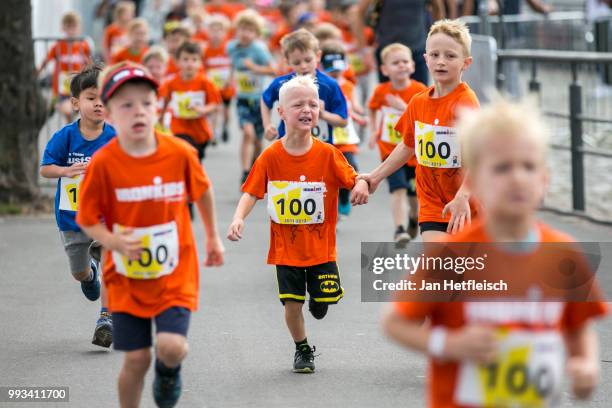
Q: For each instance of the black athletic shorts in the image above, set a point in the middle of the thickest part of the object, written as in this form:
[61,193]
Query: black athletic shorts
[433,226]
[322,282]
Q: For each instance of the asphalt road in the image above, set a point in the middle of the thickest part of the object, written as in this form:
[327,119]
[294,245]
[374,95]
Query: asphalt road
[241,353]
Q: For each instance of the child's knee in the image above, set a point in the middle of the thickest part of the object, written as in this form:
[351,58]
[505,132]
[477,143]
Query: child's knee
[171,347]
[293,307]
[138,360]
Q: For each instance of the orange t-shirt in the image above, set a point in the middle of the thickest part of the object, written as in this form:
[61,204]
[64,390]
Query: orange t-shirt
[275,39]
[443,377]
[179,94]
[388,115]
[305,244]
[218,66]
[150,191]
[347,88]
[127,54]
[114,38]
[229,10]
[428,118]
[69,57]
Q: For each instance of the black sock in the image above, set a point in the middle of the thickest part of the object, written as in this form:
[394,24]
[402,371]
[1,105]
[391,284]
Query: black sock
[400,228]
[162,369]
[302,343]
[412,222]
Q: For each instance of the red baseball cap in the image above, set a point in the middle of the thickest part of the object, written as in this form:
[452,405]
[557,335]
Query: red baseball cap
[125,73]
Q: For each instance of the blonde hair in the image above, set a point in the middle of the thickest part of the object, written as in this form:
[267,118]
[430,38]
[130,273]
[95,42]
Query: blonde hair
[298,81]
[395,47]
[123,7]
[217,19]
[333,46]
[249,18]
[156,51]
[301,39]
[137,23]
[71,18]
[327,31]
[457,30]
[499,120]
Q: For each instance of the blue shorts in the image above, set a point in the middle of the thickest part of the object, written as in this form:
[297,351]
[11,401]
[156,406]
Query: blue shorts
[133,333]
[404,177]
[249,111]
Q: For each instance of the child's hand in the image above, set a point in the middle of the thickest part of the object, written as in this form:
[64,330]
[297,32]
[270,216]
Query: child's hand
[234,233]
[127,245]
[475,343]
[198,108]
[248,64]
[214,252]
[461,215]
[75,170]
[359,119]
[584,374]
[360,194]
[395,102]
[271,132]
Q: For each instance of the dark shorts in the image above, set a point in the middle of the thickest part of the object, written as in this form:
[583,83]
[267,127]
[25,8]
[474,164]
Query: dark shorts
[433,226]
[200,147]
[133,333]
[404,177]
[322,282]
[249,112]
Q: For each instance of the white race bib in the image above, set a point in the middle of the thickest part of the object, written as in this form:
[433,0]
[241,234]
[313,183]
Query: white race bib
[388,133]
[321,131]
[183,103]
[345,135]
[528,373]
[296,202]
[159,256]
[69,193]
[247,82]
[63,83]
[219,76]
[436,146]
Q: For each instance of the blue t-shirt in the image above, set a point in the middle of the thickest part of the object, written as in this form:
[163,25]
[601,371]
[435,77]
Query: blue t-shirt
[249,85]
[66,147]
[329,92]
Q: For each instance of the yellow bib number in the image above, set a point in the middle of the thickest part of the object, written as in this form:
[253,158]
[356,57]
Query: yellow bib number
[69,193]
[356,62]
[291,202]
[247,82]
[528,373]
[63,82]
[345,135]
[183,103]
[390,117]
[159,256]
[436,146]
[219,76]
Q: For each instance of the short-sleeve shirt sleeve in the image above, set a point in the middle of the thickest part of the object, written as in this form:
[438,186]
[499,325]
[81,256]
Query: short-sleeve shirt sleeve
[256,183]
[92,194]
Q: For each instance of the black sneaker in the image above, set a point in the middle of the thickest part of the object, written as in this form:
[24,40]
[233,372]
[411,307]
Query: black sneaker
[303,361]
[401,237]
[167,389]
[413,228]
[225,136]
[317,310]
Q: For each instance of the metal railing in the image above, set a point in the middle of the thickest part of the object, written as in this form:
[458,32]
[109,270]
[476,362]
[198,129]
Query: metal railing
[576,116]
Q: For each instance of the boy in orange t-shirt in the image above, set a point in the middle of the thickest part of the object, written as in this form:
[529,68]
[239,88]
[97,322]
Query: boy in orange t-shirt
[138,43]
[191,96]
[115,34]
[301,176]
[218,67]
[175,34]
[138,184]
[427,130]
[386,105]
[509,351]
[70,55]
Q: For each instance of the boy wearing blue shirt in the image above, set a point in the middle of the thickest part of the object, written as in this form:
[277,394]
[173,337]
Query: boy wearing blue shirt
[301,50]
[66,158]
[251,61]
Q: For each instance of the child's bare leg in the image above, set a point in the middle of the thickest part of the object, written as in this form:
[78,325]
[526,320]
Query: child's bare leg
[247,147]
[131,378]
[399,207]
[414,207]
[171,348]
[295,320]
[431,236]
